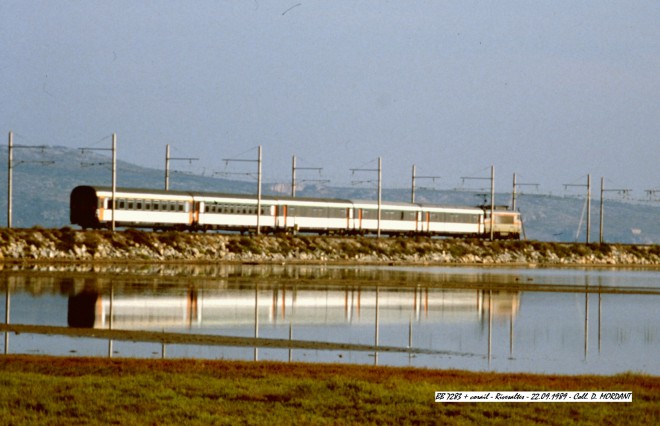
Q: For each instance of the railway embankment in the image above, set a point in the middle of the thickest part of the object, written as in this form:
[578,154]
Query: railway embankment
[68,245]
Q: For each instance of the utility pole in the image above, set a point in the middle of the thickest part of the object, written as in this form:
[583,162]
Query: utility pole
[588,185]
[9,176]
[259,190]
[514,193]
[379,170]
[114,178]
[167,165]
[113,148]
[602,204]
[380,193]
[293,175]
[492,198]
[258,161]
[492,203]
[414,179]
[412,191]
[588,207]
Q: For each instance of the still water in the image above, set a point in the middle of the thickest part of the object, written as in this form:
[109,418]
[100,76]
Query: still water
[569,321]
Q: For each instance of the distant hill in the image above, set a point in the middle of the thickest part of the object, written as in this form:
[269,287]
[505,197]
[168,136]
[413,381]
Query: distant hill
[41,196]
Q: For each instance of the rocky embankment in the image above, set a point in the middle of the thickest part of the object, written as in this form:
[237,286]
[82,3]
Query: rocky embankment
[36,244]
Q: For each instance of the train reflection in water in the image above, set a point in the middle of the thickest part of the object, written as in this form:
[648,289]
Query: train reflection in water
[207,308]
[572,321]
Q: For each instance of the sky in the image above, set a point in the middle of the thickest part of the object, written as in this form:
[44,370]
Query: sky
[552,91]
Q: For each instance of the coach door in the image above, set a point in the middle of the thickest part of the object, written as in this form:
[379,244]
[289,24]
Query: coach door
[195,212]
[281,216]
[349,216]
[359,219]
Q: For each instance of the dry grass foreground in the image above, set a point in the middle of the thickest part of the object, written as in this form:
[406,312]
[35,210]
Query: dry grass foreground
[54,390]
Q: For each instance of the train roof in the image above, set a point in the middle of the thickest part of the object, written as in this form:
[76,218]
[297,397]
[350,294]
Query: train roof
[210,194]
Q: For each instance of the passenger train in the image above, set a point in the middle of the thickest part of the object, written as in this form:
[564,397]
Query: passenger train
[91,207]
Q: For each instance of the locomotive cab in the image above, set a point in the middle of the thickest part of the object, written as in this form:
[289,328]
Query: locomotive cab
[507,224]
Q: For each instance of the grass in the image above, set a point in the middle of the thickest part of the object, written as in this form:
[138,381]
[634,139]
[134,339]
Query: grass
[52,390]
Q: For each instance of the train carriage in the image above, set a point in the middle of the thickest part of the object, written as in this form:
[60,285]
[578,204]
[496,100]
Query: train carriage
[233,212]
[324,216]
[395,218]
[92,207]
[452,221]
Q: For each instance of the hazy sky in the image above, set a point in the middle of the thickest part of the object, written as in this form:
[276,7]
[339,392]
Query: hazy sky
[551,90]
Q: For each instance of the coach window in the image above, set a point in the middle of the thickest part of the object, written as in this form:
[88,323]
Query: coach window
[336,212]
[109,204]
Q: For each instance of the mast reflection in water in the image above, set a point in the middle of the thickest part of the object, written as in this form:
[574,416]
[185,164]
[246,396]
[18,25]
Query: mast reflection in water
[477,319]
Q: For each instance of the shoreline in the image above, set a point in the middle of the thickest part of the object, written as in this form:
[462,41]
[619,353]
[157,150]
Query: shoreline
[65,245]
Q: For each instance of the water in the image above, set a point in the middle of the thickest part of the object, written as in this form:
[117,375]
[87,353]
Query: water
[566,321]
